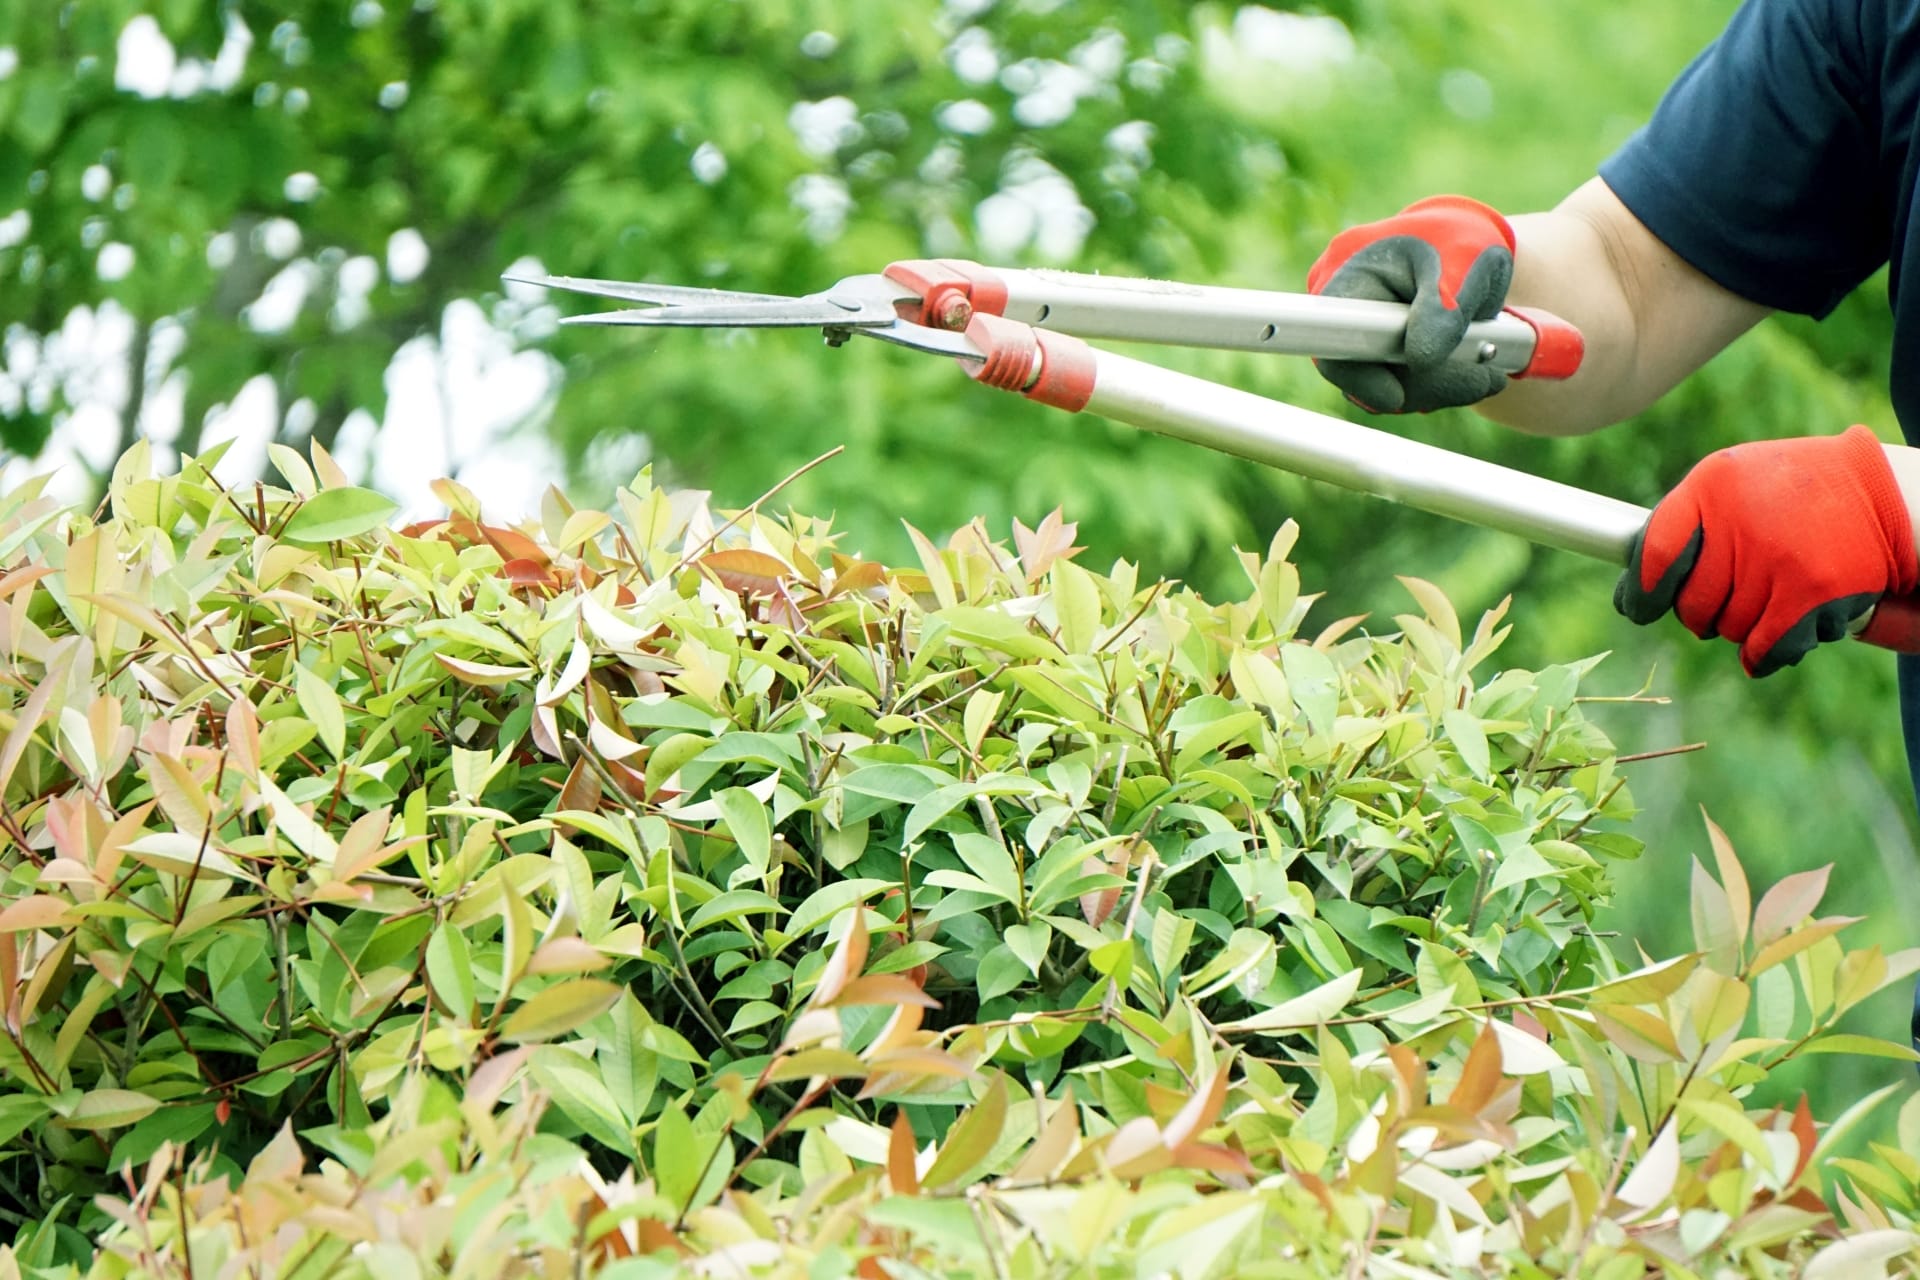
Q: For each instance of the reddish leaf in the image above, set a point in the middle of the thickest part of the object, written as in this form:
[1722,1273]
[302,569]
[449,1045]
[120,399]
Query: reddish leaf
[40,911]
[784,611]
[1200,1111]
[522,572]
[511,545]
[566,955]
[739,569]
[1480,1079]
[1803,1134]
[1039,548]
[848,959]
[1788,903]
[901,1170]
[904,1022]
[1411,1074]
[1098,904]
[634,782]
[582,791]
[1212,1159]
[1638,1033]
[884,989]
[857,575]
[656,1235]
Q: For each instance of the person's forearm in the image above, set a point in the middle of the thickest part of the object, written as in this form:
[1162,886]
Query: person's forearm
[1648,318]
[1906,471]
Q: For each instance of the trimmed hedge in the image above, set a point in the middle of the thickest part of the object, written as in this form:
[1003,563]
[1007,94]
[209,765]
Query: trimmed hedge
[655,892]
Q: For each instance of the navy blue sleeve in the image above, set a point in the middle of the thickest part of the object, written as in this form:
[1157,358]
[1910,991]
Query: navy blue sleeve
[1761,166]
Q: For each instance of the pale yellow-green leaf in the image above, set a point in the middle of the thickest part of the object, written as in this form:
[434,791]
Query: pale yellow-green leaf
[322,707]
[1308,1009]
[326,469]
[1434,603]
[1733,879]
[1076,605]
[485,674]
[294,468]
[581,526]
[935,565]
[559,1009]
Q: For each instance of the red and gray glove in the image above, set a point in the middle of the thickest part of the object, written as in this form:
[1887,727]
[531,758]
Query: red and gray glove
[1777,545]
[1450,258]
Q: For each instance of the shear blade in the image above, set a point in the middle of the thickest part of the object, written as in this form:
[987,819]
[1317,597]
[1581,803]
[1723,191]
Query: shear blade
[659,294]
[782,313]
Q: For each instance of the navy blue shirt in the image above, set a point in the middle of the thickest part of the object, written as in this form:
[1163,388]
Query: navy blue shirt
[1783,164]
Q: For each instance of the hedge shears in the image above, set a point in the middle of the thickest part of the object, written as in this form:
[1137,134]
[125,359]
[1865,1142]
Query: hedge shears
[1024,330]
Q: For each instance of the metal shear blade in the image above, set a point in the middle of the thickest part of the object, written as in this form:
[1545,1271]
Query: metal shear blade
[786,313]
[866,304]
[865,301]
[659,294]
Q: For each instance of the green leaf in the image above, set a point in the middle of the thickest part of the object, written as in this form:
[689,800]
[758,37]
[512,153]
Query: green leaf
[450,969]
[988,859]
[677,1157]
[746,819]
[1314,682]
[828,901]
[576,1088]
[169,1124]
[1001,971]
[1865,1046]
[1029,943]
[334,514]
[1469,739]
[731,905]
[627,1066]
[900,783]
[559,1009]
[111,1108]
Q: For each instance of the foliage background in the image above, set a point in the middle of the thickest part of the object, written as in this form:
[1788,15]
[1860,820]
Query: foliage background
[1204,142]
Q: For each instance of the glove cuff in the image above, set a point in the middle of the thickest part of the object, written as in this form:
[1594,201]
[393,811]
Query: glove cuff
[1868,459]
[1468,205]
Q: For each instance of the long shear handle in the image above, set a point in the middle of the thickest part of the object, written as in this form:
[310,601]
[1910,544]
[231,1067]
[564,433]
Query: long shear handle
[1075,376]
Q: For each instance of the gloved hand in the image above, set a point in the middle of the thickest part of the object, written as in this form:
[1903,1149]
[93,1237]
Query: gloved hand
[1451,258]
[1776,545]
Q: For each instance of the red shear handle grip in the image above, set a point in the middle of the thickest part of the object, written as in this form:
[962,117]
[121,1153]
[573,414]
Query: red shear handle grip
[1895,625]
[1557,346]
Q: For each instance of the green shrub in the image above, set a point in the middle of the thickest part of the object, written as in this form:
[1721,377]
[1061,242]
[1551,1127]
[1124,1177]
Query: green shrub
[616,895]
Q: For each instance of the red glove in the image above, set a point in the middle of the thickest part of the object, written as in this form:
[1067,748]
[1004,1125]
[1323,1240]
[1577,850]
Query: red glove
[1450,258]
[1777,545]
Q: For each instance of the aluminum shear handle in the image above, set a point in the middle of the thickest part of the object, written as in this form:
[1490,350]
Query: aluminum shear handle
[1008,329]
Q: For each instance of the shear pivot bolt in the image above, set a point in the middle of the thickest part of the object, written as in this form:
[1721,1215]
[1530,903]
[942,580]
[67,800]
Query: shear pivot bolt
[952,312]
[1487,352]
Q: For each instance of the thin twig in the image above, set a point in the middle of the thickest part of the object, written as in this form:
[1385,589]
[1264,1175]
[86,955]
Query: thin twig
[689,556]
